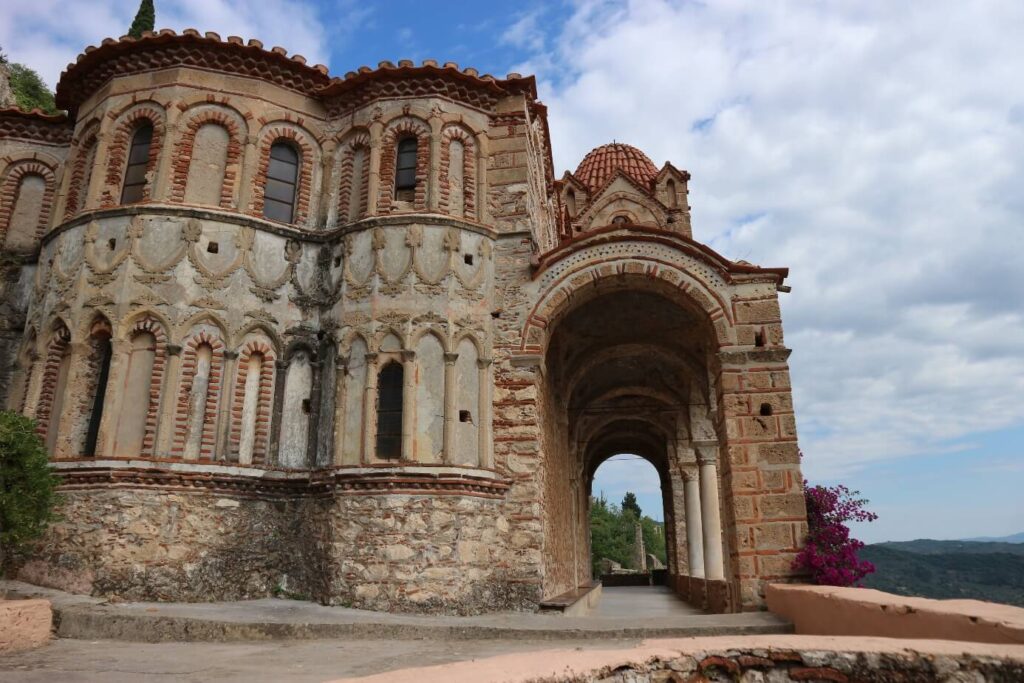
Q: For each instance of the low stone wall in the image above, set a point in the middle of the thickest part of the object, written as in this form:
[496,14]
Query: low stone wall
[444,554]
[749,659]
[828,610]
[24,624]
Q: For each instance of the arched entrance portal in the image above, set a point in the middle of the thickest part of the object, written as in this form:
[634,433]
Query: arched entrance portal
[631,369]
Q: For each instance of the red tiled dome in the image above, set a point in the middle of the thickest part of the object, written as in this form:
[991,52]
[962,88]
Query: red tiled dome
[599,165]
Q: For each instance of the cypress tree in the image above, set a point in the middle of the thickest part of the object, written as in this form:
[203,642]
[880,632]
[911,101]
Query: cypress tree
[145,19]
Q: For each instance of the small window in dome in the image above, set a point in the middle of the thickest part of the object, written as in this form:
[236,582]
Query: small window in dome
[620,220]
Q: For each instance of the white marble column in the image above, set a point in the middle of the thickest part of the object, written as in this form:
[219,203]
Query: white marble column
[694,539]
[711,516]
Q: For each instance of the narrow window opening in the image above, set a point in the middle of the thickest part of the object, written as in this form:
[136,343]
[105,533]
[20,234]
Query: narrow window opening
[213,248]
[282,177]
[570,203]
[495,314]
[465,416]
[766,410]
[112,244]
[759,339]
[134,188]
[389,412]
[337,261]
[619,220]
[467,259]
[306,406]
[92,432]
[405,169]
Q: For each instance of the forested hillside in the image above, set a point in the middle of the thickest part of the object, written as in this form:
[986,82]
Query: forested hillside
[949,569]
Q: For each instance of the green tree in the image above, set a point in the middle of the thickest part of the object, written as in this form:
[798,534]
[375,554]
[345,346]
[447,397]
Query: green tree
[29,90]
[629,503]
[654,538]
[27,486]
[145,19]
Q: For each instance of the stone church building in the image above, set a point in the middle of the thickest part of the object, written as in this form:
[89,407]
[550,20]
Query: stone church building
[353,339]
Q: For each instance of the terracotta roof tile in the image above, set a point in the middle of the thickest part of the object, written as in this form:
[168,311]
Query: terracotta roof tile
[599,165]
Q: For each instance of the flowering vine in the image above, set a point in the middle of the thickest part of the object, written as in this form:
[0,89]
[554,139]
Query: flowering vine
[830,554]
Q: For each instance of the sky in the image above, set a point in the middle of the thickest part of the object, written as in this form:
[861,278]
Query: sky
[876,148]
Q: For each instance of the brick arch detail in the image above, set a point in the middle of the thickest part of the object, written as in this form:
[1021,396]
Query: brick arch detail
[407,127]
[307,159]
[350,147]
[155,327]
[188,375]
[77,189]
[59,343]
[117,153]
[265,400]
[571,285]
[183,155]
[469,179]
[10,189]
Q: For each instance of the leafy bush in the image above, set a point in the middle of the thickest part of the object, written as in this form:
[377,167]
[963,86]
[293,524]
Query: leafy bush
[830,555]
[29,90]
[27,486]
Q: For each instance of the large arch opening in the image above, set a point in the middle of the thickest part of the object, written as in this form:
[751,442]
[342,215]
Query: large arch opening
[630,369]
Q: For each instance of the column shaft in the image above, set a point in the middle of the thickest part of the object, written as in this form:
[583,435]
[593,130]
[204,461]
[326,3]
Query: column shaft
[714,565]
[694,526]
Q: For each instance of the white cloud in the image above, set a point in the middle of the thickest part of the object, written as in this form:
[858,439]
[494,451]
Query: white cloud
[48,34]
[877,149]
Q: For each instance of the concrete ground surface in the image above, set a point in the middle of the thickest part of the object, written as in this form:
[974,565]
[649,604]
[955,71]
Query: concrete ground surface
[112,661]
[633,612]
[641,602]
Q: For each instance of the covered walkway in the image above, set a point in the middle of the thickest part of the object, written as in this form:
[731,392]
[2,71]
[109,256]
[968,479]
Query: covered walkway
[642,602]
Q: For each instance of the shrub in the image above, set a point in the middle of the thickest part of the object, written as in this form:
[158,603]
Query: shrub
[27,486]
[830,554]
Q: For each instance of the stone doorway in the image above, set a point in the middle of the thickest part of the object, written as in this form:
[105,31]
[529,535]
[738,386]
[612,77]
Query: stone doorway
[630,369]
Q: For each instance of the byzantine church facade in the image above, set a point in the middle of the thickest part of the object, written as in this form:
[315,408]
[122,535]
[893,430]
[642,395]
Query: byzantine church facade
[351,338]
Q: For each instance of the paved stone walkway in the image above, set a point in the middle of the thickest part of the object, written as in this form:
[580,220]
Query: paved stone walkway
[647,613]
[643,602]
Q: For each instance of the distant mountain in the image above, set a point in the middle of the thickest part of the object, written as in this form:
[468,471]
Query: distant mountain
[1012,538]
[927,546]
[992,571]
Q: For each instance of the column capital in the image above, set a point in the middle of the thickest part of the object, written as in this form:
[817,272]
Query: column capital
[371,358]
[408,356]
[174,349]
[450,358]
[484,362]
[230,355]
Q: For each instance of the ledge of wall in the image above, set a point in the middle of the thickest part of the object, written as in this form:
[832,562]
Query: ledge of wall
[833,611]
[24,624]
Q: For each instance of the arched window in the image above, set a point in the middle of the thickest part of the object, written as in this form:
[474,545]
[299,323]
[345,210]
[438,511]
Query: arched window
[389,411]
[358,189]
[405,170]
[99,362]
[670,189]
[138,161]
[209,161]
[570,203]
[130,434]
[24,221]
[198,397]
[282,177]
[296,412]
[456,178]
